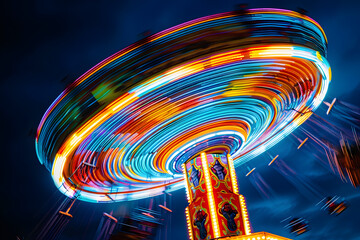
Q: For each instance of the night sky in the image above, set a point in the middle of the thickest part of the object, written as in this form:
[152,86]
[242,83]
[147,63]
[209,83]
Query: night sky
[47,44]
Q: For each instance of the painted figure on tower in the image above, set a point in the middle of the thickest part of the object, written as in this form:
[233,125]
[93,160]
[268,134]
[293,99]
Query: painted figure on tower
[219,170]
[229,214]
[195,176]
[200,223]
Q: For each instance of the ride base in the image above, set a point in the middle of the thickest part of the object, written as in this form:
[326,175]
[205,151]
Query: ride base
[256,236]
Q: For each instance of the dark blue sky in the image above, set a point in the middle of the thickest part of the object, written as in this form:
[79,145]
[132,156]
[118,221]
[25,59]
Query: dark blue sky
[44,41]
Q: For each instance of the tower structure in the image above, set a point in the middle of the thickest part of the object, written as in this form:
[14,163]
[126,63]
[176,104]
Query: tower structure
[216,209]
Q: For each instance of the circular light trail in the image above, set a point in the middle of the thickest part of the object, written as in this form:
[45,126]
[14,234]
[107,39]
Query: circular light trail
[235,82]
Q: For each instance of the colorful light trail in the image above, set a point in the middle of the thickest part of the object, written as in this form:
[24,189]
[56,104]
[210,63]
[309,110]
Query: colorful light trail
[231,81]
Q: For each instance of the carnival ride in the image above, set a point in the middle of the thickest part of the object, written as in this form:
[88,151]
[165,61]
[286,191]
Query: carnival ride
[232,84]
[239,83]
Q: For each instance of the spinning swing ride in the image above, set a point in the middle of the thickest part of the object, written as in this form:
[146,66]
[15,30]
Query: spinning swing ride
[189,103]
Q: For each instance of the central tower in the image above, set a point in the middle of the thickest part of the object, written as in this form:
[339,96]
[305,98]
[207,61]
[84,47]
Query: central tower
[216,209]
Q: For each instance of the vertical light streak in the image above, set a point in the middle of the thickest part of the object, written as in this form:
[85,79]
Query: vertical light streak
[210,196]
[233,175]
[244,214]
[187,187]
[189,225]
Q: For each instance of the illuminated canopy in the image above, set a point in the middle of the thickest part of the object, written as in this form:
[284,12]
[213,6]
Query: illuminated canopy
[234,81]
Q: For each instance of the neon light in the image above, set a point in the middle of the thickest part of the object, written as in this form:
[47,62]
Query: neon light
[165,208]
[330,107]
[250,172]
[258,236]
[245,216]
[210,196]
[273,160]
[187,187]
[233,175]
[302,143]
[189,223]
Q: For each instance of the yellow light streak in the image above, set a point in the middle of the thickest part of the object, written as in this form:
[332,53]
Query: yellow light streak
[189,223]
[187,187]
[210,196]
[233,174]
[245,216]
